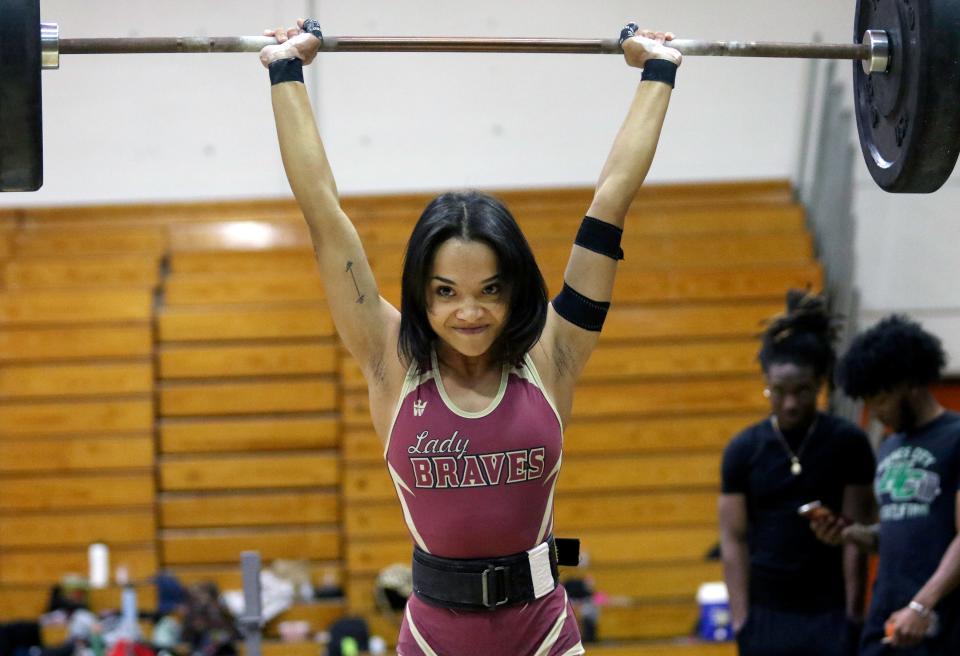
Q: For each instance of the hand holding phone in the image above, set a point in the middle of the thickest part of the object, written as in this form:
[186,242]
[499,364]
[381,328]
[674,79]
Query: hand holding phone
[826,524]
[813,511]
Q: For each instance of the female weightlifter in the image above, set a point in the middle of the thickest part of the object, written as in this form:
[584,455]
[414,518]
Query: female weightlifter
[471,382]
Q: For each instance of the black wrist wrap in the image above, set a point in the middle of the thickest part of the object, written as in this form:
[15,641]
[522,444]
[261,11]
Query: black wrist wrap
[286,70]
[659,70]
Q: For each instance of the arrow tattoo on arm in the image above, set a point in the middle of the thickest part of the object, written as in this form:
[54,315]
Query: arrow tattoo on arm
[360,296]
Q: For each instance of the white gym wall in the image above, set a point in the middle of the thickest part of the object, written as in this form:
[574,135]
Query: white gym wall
[123,127]
[178,127]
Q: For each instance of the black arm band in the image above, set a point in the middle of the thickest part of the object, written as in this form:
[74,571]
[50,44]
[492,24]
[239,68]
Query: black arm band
[286,70]
[600,237]
[580,310]
[659,70]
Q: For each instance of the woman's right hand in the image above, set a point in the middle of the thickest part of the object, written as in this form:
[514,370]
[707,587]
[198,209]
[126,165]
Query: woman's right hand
[645,45]
[291,42]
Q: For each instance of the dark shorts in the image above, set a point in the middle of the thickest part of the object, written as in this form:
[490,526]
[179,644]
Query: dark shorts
[771,632]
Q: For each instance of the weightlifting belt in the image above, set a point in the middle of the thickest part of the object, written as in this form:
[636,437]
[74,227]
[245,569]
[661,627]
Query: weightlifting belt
[490,583]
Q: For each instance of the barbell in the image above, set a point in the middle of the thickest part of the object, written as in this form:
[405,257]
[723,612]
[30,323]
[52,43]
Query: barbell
[906,58]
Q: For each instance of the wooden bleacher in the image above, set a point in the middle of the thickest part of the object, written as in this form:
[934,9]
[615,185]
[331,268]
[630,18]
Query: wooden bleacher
[76,410]
[170,382]
[249,434]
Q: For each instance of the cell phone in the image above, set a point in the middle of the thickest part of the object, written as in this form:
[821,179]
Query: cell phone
[816,511]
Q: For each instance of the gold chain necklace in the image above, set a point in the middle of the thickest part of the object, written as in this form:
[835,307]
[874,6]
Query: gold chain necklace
[795,467]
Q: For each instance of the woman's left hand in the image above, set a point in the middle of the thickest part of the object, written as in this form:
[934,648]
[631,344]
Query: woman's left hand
[291,43]
[647,45]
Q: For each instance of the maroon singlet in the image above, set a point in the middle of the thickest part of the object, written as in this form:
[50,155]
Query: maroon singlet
[480,485]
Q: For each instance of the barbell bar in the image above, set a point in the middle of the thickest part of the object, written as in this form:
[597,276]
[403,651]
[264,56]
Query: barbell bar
[874,53]
[906,59]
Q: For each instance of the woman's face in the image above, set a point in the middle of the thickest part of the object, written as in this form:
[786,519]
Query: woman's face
[466,300]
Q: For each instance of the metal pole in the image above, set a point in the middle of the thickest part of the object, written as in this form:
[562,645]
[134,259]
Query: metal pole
[690,47]
[250,622]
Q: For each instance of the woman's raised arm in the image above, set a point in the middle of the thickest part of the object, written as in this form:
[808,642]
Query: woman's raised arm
[577,313]
[367,324]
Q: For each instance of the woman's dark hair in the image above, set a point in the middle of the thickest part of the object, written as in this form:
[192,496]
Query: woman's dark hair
[896,350]
[803,335]
[472,216]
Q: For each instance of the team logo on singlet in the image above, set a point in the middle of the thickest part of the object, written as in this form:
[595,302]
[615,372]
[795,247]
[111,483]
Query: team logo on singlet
[418,407]
[445,463]
[905,483]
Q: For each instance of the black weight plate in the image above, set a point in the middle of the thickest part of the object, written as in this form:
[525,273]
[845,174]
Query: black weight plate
[21,139]
[908,118]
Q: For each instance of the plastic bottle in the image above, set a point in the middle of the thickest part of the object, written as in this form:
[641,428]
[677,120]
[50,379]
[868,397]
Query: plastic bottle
[98,555]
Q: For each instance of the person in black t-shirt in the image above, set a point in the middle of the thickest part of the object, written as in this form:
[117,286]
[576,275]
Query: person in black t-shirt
[915,609]
[789,593]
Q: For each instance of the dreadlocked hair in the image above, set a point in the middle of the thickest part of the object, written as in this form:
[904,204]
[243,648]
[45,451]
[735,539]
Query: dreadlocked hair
[803,335]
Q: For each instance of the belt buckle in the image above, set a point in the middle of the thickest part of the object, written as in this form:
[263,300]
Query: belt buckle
[485,585]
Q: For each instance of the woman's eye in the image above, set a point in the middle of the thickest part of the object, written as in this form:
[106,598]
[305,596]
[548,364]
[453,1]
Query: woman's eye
[491,290]
[444,291]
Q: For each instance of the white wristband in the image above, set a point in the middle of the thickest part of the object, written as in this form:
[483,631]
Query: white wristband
[919,609]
